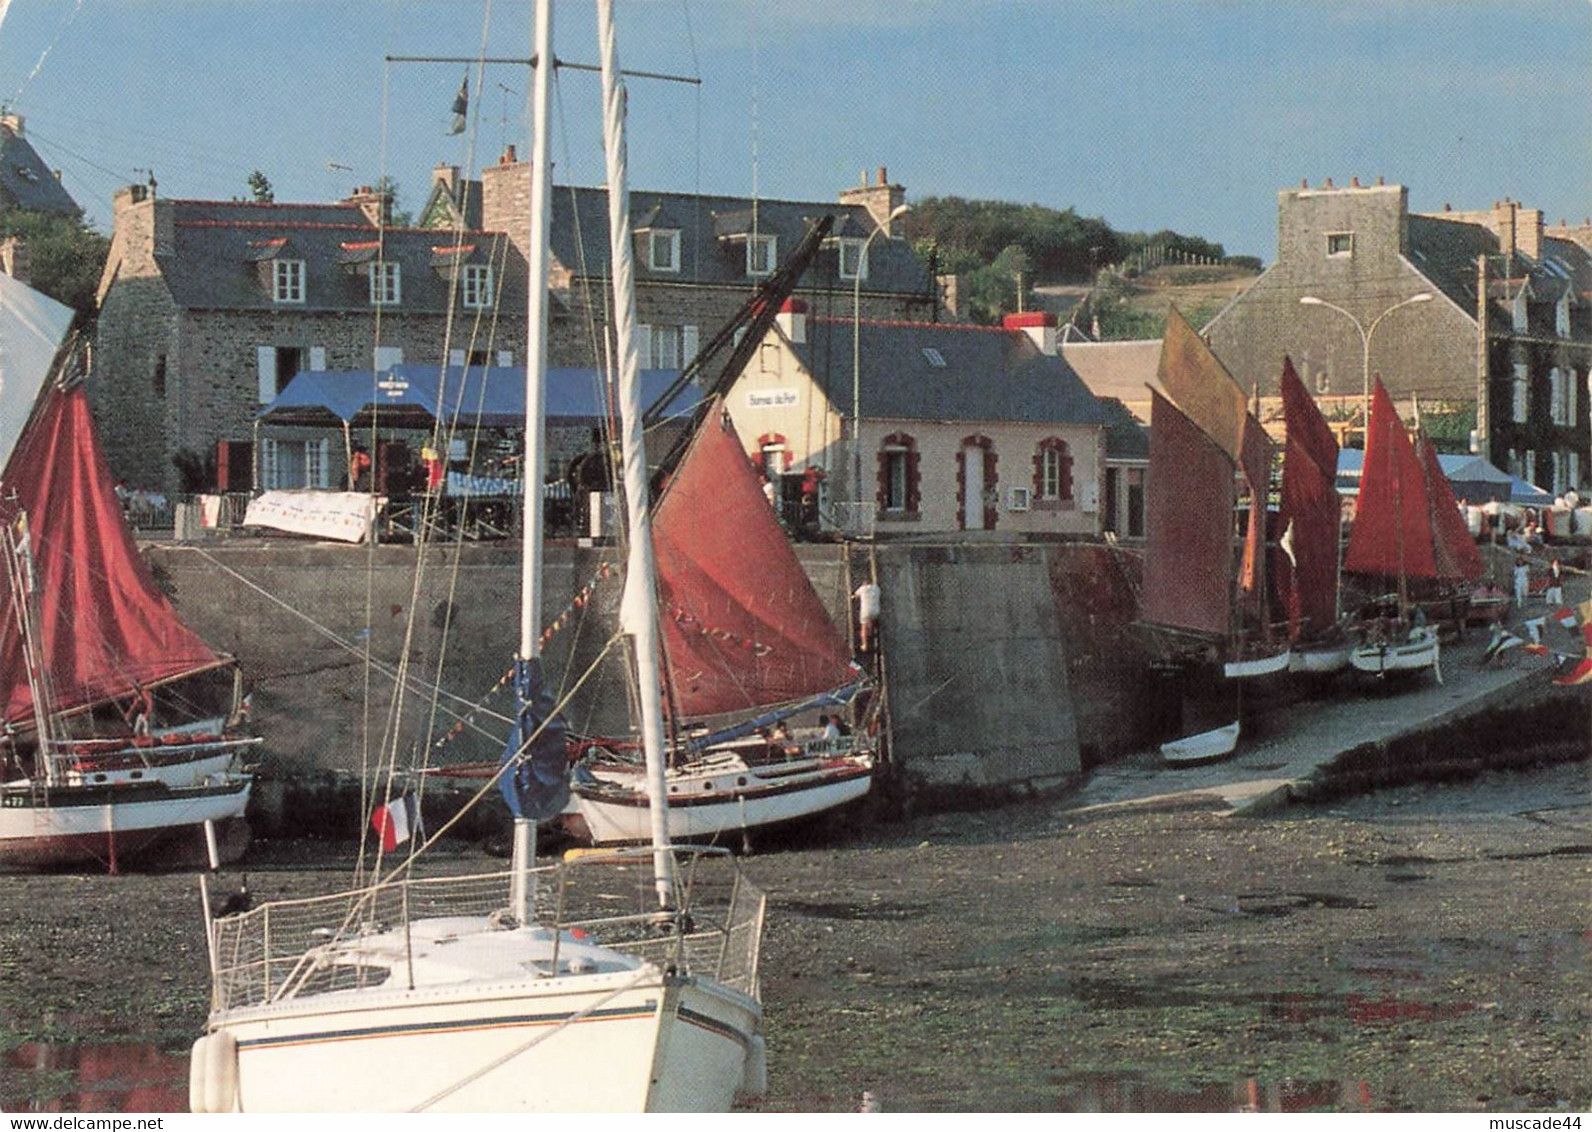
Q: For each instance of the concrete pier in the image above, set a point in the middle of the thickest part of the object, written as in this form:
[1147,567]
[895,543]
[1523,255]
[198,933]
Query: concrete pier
[1374,732]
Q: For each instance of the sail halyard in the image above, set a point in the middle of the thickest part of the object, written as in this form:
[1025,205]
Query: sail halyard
[639,604]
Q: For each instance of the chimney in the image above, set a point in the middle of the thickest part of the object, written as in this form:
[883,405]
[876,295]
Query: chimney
[1528,231]
[376,204]
[447,176]
[1503,226]
[792,320]
[1040,326]
[510,156]
[14,258]
[880,199]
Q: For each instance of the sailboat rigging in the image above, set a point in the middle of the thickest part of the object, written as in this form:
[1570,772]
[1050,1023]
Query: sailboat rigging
[119,722]
[492,993]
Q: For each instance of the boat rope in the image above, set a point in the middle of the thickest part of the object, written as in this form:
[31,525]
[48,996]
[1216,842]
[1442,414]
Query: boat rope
[579,1016]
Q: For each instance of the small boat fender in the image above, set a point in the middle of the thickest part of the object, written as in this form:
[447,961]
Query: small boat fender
[213,1074]
[754,1071]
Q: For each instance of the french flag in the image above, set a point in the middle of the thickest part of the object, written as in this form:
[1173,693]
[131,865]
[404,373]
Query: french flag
[396,822]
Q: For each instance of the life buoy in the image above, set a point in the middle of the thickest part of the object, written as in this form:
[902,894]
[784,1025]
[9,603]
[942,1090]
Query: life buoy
[213,1074]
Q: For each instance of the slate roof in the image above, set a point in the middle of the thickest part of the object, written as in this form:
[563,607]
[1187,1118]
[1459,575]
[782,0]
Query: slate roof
[221,245]
[26,182]
[712,238]
[989,374]
[1445,252]
[1126,438]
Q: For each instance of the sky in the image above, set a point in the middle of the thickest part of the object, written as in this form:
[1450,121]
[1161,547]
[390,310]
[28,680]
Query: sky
[1188,115]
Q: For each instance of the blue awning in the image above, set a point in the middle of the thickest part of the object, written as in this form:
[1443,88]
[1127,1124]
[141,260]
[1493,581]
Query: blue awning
[414,396]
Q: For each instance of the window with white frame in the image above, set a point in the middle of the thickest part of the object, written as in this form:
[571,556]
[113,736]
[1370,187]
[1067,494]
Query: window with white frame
[895,479]
[665,348]
[1573,471]
[1519,317]
[760,254]
[853,259]
[1522,393]
[663,250]
[475,286]
[1556,389]
[287,279]
[288,464]
[1340,244]
[1561,316]
[1529,467]
[1558,485]
[385,287]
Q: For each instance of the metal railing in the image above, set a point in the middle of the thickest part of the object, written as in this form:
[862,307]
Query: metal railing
[295,948]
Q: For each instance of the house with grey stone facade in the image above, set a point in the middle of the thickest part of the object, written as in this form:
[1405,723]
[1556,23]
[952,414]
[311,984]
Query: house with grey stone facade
[1362,286]
[208,308]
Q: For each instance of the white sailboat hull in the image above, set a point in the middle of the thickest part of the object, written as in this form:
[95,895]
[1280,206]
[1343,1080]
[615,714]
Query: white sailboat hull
[1415,655]
[1252,667]
[76,823]
[1320,661]
[628,1041]
[725,796]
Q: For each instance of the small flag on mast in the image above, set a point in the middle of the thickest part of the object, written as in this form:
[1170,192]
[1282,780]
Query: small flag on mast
[461,107]
[397,821]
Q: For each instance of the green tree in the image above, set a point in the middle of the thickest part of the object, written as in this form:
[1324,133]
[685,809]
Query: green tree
[260,188]
[1000,287]
[65,256]
[395,217]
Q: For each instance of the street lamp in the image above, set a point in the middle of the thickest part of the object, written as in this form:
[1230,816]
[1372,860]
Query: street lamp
[1365,337]
[856,356]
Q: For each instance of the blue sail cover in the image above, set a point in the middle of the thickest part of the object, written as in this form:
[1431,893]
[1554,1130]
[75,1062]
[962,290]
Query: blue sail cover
[536,783]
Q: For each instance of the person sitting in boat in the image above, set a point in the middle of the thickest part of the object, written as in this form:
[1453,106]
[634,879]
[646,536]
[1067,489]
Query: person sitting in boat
[140,711]
[782,738]
[831,729]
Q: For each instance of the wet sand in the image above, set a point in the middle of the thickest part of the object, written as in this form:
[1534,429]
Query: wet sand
[1427,948]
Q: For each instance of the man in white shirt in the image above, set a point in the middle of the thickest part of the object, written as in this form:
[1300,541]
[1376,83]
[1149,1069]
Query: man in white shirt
[867,596]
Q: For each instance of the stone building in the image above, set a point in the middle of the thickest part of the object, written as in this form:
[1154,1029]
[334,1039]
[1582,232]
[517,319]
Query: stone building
[1363,286]
[208,308]
[963,428]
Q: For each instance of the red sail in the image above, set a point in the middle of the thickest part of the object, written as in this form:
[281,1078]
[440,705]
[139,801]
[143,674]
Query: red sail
[742,625]
[1392,535]
[1457,556]
[104,627]
[1255,453]
[1188,558]
[1310,505]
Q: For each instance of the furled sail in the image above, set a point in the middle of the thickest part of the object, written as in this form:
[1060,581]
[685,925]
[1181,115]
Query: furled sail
[742,626]
[105,629]
[1310,507]
[1188,560]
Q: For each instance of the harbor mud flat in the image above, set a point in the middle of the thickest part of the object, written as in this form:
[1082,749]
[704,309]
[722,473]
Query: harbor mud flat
[1425,948]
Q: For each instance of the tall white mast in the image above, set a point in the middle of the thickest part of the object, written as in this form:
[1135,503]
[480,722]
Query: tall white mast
[639,607]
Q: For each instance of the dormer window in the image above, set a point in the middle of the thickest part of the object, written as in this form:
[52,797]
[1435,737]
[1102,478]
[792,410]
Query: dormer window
[1561,316]
[853,259]
[1519,317]
[1340,245]
[385,284]
[760,254]
[475,286]
[287,281]
[663,249]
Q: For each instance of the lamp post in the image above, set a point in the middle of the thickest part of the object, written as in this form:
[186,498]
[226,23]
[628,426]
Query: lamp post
[856,357]
[1365,338]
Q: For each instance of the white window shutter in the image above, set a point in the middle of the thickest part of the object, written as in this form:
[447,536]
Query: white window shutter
[455,357]
[318,357]
[325,475]
[265,361]
[688,345]
[387,357]
[505,357]
[644,345]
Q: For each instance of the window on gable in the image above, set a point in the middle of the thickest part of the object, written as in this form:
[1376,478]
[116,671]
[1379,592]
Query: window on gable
[663,250]
[760,254]
[1519,316]
[1340,243]
[1561,317]
[853,259]
[475,286]
[385,289]
[287,277]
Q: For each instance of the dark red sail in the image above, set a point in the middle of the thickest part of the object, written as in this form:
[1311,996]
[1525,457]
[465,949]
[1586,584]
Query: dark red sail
[104,628]
[1456,554]
[1310,506]
[1392,534]
[1188,559]
[742,626]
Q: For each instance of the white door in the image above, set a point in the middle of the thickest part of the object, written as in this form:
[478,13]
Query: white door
[973,480]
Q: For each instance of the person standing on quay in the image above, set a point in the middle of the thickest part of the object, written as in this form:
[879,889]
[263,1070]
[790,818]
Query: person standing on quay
[1522,581]
[867,596]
